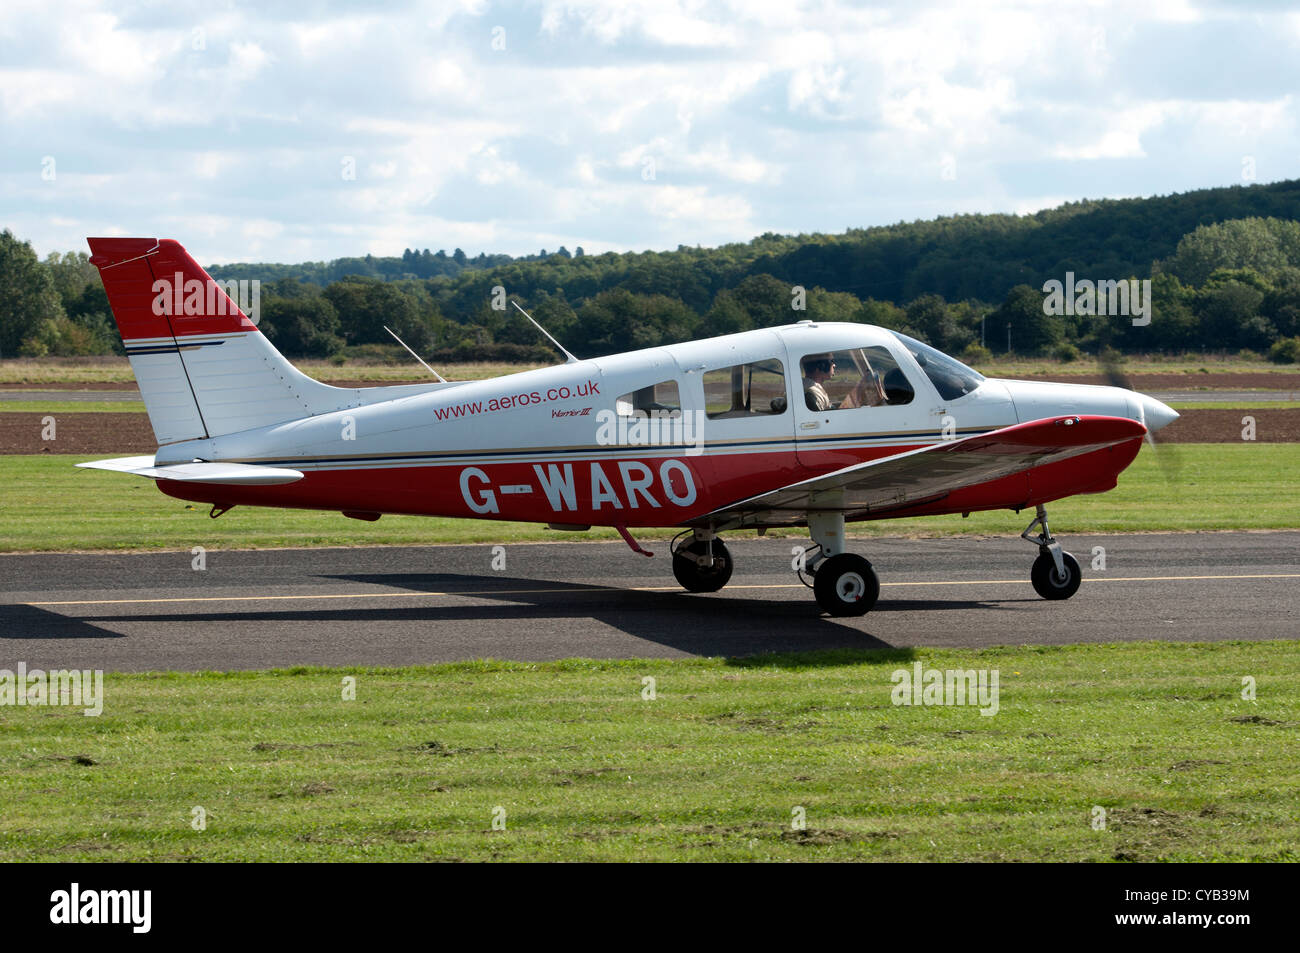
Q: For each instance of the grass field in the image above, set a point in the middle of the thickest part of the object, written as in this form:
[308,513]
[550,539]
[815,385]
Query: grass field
[107,370]
[1194,366]
[715,767]
[48,505]
[137,407]
[116,369]
[1235,404]
[71,406]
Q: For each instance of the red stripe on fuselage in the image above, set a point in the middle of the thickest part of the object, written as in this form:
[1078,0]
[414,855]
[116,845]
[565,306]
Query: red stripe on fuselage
[601,492]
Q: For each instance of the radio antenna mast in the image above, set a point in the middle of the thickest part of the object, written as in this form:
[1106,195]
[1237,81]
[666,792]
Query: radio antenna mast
[569,358]
[413,354]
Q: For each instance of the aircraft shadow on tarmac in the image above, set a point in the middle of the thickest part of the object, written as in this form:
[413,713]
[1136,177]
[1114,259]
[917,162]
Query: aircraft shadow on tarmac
[32,622]
[713,625]
[799,608]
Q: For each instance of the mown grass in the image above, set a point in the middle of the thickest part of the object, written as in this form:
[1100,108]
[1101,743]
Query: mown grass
[1258,405]
[116,369]
[56,406]
[715,767]
[71,406]
[48,505]
[108,370]
[1192,365]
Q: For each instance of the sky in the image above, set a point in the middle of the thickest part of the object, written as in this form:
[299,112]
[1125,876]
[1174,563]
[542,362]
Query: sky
[316,130]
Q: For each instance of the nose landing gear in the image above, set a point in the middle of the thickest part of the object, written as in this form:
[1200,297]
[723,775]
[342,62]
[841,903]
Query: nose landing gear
[1055,573]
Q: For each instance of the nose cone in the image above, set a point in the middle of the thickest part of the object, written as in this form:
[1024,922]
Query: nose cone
[1156,414]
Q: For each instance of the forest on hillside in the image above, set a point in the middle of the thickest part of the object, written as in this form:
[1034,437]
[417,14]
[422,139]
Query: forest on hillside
[1224,267]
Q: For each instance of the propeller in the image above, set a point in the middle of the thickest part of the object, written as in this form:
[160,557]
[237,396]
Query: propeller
[1112,368]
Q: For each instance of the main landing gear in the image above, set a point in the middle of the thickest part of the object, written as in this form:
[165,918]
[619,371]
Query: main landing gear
[1056,573]
[844,583]
[703,564]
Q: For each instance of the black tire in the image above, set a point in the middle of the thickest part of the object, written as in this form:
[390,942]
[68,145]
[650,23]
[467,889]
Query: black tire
[846,585]
[1048,584]
[693,576]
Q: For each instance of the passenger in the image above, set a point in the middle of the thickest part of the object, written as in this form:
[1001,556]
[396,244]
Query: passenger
[868,392]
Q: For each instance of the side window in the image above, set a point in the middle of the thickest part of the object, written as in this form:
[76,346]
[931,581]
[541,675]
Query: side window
[860,377]
[662,399]
[745,390]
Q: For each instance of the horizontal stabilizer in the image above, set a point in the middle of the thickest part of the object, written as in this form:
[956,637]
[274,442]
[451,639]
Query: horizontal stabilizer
[228,474]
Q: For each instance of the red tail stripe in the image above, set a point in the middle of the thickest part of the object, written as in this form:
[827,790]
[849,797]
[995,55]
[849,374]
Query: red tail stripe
[146,276]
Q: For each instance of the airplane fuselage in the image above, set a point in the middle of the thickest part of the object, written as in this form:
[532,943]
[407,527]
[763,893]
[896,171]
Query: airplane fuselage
[657,437]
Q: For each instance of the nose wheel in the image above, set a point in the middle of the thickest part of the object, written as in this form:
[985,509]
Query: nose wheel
[1055,573]
[1051,584]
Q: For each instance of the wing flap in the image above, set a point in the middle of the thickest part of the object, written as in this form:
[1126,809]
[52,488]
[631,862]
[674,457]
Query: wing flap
[919,476]
[226,474]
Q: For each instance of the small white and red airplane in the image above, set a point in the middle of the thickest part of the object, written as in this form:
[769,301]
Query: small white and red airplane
[814,424]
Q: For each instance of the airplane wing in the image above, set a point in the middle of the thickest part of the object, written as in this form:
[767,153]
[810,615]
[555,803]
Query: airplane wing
[930,473]
[229,474]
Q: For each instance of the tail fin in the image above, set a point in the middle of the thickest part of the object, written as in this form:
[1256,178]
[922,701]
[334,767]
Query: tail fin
[203,367]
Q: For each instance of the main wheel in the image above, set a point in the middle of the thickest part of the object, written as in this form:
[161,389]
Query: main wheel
[1048,584]
[846,585]
[693,576]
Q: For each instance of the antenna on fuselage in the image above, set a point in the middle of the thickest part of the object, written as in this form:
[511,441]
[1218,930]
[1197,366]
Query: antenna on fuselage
[569,358]
[413,354]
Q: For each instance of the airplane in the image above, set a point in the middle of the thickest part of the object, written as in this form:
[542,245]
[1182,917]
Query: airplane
[815,424]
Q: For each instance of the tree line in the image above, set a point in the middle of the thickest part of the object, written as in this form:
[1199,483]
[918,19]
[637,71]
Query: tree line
[1223,266]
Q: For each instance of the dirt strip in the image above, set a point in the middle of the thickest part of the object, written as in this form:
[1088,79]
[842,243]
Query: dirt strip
[88,434]
[1227,426]
[130,433]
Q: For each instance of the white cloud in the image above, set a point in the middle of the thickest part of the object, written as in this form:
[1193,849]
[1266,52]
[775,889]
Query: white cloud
[1115,136]
[226,128]
[247,60]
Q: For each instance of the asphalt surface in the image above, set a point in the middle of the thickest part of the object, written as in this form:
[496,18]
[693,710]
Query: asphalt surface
[400,605]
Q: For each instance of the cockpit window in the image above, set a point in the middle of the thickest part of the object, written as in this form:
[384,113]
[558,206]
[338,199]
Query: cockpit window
[859,377]
[950,377]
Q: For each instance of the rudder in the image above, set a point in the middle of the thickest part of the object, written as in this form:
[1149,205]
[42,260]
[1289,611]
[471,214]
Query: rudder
[203,367]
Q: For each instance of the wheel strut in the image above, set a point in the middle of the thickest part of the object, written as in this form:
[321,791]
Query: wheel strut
[844,583]
[1055,573]
[706,537]
[1045,541]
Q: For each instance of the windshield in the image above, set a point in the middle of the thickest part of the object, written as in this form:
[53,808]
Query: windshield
[951,378]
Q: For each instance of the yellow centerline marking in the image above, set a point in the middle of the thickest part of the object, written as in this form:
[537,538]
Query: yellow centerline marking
[522,592]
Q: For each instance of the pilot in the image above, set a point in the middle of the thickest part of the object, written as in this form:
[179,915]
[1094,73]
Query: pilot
[817,369]
[868,392]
